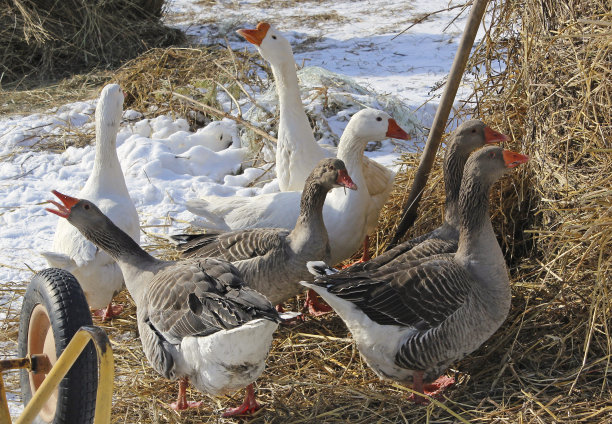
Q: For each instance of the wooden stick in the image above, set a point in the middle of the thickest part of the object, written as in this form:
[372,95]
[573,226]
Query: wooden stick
[222,114]
[439,123]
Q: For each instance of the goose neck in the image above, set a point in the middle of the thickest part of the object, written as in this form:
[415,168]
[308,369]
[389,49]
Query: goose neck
[106,168]
[475,229]
[132,259]
[287,85]
[454,162]
[351,146]
[310,220]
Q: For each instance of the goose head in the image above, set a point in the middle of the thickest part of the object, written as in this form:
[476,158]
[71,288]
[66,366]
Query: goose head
[473,134]
[270,43]
[491,162]
[79,212]
[220,137]
[373,125]
[330,173]
[110,105]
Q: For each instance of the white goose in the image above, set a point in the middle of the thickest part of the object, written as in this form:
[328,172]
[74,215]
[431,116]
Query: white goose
[348,217]
[297,152]
[98,273]
[411,320]
[196,319]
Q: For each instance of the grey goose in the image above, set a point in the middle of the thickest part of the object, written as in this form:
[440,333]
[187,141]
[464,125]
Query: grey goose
[466,138]
[273,260]
[197,319]
[411,320]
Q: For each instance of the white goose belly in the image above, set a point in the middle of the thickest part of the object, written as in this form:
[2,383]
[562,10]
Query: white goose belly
[377,344]
[227,360]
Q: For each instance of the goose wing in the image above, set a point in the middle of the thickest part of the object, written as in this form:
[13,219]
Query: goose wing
[420,294]
[200,297]
[236,246]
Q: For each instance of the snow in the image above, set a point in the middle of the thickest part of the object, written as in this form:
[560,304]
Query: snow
[165,164]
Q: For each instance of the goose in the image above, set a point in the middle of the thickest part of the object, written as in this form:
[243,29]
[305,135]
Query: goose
[297,152]
[349,217]
[466,138]
[273,260]
[196,318]
[412,320]
[96,271]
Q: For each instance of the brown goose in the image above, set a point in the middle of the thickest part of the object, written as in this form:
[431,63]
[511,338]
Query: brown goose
[413,319]
[469,136]
[196,318]
[273,260]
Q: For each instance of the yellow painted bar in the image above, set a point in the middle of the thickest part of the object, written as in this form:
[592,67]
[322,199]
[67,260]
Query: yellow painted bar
[106,376]
[62,366]
[5,416]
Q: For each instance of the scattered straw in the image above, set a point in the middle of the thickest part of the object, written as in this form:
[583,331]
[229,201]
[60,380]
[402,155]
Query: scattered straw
[550,361]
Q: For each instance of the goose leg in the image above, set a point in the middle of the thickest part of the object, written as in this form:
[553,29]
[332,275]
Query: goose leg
[366,253]
[249,405]
[366,250]
[315,306]
[108,313]
[181,400]
[431,389]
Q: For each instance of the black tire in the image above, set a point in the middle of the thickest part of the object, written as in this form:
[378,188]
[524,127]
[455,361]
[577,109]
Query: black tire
[54,304]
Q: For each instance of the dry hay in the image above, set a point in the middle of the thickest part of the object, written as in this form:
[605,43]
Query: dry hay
[552,94]
[199,72]
[550,362]
[55,38]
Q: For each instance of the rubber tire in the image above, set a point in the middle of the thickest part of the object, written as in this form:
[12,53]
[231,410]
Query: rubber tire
[60,294]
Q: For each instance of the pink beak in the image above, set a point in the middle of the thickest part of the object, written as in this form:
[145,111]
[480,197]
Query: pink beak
[492,136]
[345,180]
[255,36]
[395,131]
[513,159]
[68,203]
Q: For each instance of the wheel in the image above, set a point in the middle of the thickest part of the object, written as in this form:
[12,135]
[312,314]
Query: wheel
[53,309]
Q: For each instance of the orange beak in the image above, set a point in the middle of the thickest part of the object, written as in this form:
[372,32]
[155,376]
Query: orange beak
[492,136]
[395,131]
[514,159]
[345,180]
[68,203]
[255,36]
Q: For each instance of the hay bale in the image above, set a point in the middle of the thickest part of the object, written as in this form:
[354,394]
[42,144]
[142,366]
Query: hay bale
[543,75]
[51,39]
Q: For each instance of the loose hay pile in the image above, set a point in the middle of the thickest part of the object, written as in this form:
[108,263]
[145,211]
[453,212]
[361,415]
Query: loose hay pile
[552,93]
[54,38]
[550,362]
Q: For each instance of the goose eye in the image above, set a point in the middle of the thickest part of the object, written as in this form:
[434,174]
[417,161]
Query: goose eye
[274,37]
[86,206]
[379,119]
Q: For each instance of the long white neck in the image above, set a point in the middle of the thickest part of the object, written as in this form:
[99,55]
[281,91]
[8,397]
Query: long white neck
[106,172]
[295,138]
[350,150]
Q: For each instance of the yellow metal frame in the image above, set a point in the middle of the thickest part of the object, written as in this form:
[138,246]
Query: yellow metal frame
[106,376]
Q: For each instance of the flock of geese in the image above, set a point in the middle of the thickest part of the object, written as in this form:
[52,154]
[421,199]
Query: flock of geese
[209,317]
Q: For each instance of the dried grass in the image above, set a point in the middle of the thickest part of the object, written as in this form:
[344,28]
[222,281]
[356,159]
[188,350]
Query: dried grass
[552,93]
[550,362]
[48,39]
